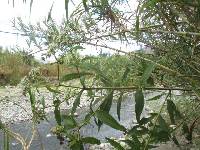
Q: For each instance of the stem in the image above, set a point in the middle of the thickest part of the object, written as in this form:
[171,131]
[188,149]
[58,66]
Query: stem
[128,88]
[16,136]
[147,143]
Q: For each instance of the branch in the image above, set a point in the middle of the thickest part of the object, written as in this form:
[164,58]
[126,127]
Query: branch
[165,68]
[127,88]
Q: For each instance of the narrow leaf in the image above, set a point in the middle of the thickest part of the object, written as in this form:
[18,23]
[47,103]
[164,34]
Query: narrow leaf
[77,47]
[78,145]
[69,122]
[51,89]
[105,106]
[171,109]
[76,102]
[119,105]
[146,120]
[139,104]
[85,5]
[82,81]
[185,128]
[137,26]
[163,123]
[109,120]
[57,111]
[138,130]
[1,125]
[91,140]
[147,73]
[66,8]
[49,14]
[157,97]
[175,140]
[32,100]
[115,144]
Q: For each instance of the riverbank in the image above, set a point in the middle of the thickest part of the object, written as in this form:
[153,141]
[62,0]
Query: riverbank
[15,108]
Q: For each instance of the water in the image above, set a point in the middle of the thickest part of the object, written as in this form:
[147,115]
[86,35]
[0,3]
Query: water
[50,141]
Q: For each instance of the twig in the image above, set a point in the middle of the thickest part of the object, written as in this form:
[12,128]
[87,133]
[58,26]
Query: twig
[147,143]
[128,88]
[32,137]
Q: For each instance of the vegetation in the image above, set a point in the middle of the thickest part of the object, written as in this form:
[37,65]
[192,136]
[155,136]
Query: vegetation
[14,66]
[169,28]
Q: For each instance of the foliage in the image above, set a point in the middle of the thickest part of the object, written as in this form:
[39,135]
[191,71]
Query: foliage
[169,28]
[14,66]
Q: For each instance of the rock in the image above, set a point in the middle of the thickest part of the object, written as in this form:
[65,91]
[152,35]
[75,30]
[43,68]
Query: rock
[14,106]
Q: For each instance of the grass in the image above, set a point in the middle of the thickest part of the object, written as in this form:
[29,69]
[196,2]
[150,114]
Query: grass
[14,65]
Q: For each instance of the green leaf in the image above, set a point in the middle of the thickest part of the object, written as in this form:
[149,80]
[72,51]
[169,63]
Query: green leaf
[107,119]
[171,109]
[88,117]
[137,24]
[137,27]
[157,97]
[69,122]
[91,140]
[139,104]
[147,120]
[90,93]
[66,8]
[73,76]
[138,130]
[115,144]
[147,73]
[76,102]
[105,106]
[175,140]
[185,128]
[163,124]
[77,47]
[32,100]
[51,89]
[119,105]
[78,145]
[43,102]
[85,5]
[82,81]
[57,111]
[1,125]
[49,14]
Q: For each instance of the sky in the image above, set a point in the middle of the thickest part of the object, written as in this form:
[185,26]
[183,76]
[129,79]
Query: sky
[39,12]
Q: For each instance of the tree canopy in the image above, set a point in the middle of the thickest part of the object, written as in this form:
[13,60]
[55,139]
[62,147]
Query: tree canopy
[169,28]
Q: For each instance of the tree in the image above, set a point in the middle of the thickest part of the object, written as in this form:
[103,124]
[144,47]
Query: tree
[166,27]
